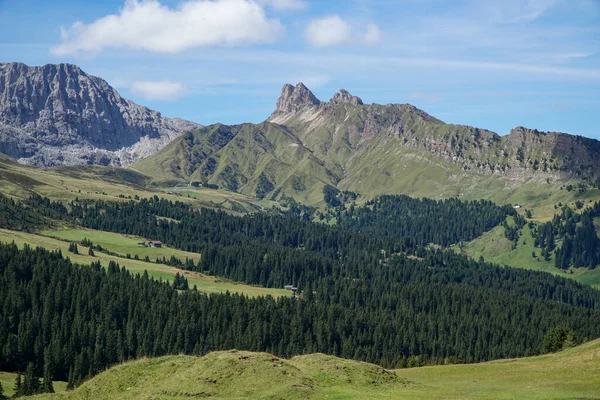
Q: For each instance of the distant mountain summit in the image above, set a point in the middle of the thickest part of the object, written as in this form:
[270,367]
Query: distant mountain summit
[308,147]
[344,128]
[59,115]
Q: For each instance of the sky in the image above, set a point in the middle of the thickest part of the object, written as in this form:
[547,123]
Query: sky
[493,64]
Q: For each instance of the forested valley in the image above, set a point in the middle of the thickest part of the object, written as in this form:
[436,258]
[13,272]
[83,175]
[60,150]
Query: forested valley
[370,288]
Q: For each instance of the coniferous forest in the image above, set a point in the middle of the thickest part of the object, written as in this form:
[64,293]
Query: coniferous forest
[369,289]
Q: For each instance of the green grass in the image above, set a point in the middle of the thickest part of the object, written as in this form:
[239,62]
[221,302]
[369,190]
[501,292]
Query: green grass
[8,383]
[121,244]
[494,247]
[204,283]
[109,184]
[573,373]
[225,199]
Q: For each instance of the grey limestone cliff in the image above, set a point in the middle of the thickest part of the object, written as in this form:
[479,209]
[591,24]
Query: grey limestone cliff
[59,115]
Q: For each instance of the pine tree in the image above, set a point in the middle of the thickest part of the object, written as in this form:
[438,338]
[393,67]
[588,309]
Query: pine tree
[47,387]
[91,252]
[73,248]
[71,379]
[31,383]
[18,389]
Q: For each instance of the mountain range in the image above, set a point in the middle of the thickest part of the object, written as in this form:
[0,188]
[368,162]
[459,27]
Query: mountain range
[307,144]
[59,115]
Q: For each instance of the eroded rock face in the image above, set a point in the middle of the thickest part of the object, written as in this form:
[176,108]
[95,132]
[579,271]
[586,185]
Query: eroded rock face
[59,115]
[344,97]
[343,128]
[294,99]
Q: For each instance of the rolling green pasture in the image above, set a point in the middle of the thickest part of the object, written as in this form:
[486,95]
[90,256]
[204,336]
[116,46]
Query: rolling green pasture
[571,374]
[204,283]
[121,244]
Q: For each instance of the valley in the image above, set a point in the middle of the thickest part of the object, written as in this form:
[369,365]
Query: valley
[336,249]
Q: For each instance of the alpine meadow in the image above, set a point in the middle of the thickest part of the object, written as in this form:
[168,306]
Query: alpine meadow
[257,241]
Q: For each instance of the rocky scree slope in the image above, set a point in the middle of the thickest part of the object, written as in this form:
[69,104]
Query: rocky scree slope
[59,115]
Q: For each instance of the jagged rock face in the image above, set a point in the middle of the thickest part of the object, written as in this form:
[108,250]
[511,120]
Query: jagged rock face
[344,131]
[59,115]
[343,97]
[294,99]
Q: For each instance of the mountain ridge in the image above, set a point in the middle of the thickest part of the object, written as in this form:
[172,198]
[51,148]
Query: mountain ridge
[375,149]
[57,114]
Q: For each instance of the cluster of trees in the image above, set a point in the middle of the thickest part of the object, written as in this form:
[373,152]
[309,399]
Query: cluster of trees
[407,312]
[30,384]
[180,282]
[513,231]
[580,247]
[14,215]
[424,221]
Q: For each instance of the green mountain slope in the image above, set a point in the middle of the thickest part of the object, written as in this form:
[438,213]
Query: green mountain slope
[255,160]
[372,150]
[573,373]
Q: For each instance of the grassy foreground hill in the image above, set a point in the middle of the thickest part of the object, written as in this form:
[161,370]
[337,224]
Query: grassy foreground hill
[573,373]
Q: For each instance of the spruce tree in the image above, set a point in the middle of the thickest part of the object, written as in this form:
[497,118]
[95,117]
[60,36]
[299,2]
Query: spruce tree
[91,252]
[47,387]
[31,383]
[71,379]
[73,248]
[18,389]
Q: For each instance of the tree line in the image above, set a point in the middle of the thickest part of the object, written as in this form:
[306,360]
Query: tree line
[577,235]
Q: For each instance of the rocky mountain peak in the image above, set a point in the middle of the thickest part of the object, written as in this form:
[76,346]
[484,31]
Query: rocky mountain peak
[57,114]
[295,98]
[344,97]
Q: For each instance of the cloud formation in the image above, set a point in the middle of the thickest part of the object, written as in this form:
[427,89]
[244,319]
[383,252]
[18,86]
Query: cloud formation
[284,4]
[372,34]
[328,31]
[149,25]
[334,30]
[157,90]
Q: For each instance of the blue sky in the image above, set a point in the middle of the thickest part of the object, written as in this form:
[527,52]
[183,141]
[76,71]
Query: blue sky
[486,63]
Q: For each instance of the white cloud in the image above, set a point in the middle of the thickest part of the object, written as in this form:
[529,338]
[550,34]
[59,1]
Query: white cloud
[157,90]
[328,31]
[284,4]
[334,30]
[372,34]
[511,11]
[149,25]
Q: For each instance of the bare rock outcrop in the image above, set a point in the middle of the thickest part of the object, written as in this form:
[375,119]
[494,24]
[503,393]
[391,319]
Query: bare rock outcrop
[59,115]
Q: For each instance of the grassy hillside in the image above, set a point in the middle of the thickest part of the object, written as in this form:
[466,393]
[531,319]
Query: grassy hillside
[121,244]
[256,160]
[494,247]
[573,373]
[109,184]
[118,243]
[371,150]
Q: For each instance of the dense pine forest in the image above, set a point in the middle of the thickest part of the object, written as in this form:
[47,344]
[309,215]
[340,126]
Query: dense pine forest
[79,320]
[425,221]
[370,289]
